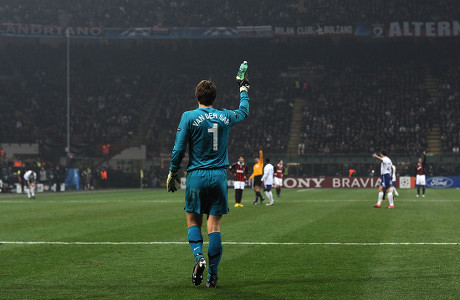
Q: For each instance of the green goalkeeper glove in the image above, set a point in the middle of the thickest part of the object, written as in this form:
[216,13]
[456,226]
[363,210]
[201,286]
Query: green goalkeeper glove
[244,84]
[242,77]
[171,182]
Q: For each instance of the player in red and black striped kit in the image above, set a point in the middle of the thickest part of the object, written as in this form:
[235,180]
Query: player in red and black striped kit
[420,174]
[240,171]
[279,173]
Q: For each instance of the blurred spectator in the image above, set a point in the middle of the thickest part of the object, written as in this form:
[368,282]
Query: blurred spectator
[360,96]
[143,13]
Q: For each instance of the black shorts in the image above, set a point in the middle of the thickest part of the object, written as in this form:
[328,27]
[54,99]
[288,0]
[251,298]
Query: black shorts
[258,180]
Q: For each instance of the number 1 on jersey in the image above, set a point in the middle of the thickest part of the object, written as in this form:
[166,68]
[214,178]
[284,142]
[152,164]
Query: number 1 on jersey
[215,133]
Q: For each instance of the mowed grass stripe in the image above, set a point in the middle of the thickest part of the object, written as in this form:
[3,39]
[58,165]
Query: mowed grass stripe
[314,248]
[228,243]
[181,201]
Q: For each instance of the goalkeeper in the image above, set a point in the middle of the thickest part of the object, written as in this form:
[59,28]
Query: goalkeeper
[205,130]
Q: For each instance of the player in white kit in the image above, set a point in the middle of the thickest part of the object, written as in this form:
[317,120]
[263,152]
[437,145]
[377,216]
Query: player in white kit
[385,171]
[393,181]
[267,179]
[30,179]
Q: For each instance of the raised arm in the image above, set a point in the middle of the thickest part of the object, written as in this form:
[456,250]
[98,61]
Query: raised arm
[242,79]
[242,112]
[376,156]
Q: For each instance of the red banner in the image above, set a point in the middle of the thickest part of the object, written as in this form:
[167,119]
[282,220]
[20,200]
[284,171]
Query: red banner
[332,182]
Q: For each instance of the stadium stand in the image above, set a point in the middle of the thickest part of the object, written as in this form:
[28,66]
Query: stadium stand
[103,96]
[362,105]
[449,96]
[351,95]
[355,102]
[135,13]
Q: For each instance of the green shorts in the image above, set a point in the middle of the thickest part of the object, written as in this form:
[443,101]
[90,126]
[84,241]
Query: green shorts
[206,192]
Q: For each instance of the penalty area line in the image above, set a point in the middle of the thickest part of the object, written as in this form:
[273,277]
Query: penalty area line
[235,243]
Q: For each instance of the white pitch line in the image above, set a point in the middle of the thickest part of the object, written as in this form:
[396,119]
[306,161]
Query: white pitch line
[233,243]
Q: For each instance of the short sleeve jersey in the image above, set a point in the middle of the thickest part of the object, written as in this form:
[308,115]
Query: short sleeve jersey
[420,167]
[385,166]
[30,175]
[240,171]
[279,171]
[268,174]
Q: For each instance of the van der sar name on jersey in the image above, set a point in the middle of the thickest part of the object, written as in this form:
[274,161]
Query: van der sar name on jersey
[209,116]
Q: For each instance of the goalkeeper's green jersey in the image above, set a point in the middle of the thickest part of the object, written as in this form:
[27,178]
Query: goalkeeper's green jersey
[205,130]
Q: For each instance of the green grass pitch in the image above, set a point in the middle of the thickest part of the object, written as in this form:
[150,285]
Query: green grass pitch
[326,244]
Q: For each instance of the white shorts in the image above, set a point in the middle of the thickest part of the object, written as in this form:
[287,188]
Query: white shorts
[420,180]
[278,181]
[239,185]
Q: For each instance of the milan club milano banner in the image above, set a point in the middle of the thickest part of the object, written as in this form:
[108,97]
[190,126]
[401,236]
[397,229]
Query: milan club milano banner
[316,30]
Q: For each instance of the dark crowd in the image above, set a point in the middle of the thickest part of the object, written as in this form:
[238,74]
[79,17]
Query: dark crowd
[358,97]
[146,13]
